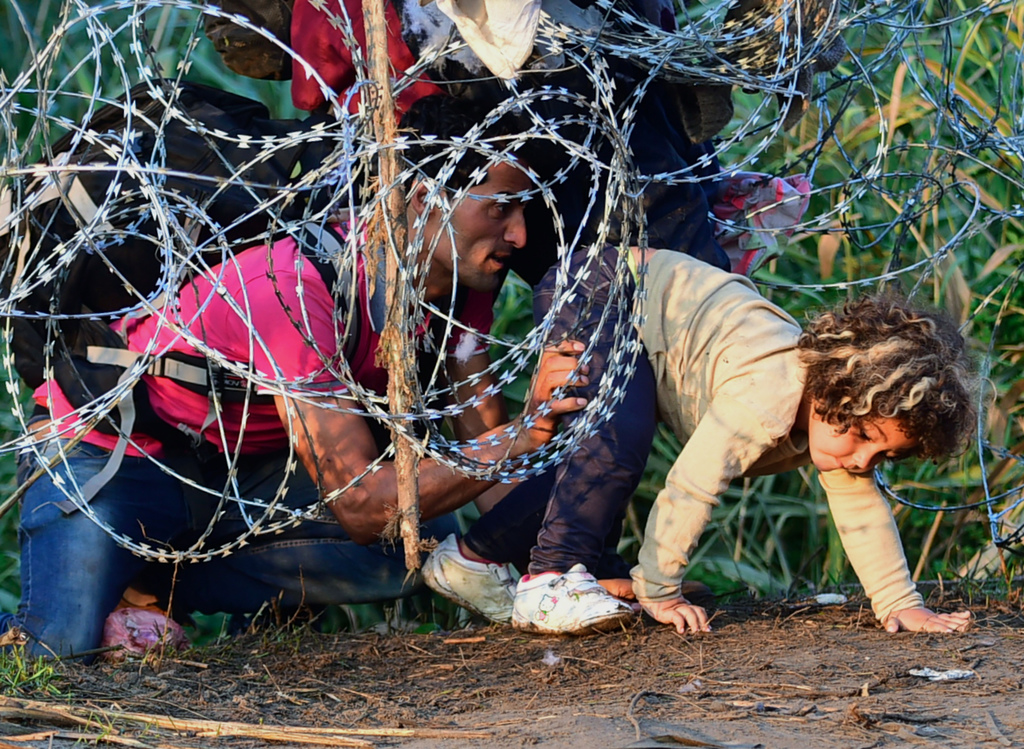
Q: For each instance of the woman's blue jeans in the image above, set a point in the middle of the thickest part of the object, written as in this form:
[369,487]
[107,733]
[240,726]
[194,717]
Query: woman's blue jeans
[73,573]
[573,512]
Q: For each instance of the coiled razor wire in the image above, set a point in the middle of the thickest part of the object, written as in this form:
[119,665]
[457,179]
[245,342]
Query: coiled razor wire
[885,187]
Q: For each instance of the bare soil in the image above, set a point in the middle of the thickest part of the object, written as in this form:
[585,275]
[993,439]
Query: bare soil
[770,675]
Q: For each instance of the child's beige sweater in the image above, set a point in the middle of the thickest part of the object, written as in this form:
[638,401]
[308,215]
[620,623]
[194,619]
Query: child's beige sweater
[729,385]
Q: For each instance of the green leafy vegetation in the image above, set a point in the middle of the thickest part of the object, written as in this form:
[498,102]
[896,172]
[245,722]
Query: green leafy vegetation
[24,676]
[770,535]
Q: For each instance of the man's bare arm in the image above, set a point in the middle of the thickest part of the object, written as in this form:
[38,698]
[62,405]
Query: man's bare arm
[490,412]
[337,447]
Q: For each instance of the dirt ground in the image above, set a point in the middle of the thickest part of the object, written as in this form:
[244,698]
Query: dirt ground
[770,675]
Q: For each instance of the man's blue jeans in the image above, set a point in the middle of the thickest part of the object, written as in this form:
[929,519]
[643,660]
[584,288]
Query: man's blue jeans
[573,513]
[73,573]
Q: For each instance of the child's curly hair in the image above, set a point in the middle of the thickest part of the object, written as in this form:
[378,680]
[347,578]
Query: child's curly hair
[880,357]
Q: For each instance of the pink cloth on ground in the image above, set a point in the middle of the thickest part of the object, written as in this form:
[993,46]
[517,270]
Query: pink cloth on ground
[138,631]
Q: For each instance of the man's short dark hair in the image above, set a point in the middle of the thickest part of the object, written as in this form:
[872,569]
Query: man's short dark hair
[447,118]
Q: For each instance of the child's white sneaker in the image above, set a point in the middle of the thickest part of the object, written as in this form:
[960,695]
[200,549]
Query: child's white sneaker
[481,587]
[572,603]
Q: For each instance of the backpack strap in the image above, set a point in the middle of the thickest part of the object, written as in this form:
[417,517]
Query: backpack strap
[196,373]
[126,409]
[47,187]
[322,246]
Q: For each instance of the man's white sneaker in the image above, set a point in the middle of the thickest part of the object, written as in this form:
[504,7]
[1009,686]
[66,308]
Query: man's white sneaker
[573,603]
[483,588]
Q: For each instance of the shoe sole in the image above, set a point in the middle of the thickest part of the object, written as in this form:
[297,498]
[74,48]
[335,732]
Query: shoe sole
[606,624]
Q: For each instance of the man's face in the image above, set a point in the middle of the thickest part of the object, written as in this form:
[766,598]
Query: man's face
[488,226]
[860,448]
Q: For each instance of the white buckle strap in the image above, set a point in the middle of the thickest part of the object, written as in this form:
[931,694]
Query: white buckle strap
[180,372]
[162,367]
[127,410]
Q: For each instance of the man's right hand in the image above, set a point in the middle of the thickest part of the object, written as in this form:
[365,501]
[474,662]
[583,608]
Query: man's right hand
[558,368]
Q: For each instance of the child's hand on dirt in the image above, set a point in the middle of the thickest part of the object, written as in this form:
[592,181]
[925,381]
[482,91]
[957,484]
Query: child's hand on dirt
[680,613]
[921,619]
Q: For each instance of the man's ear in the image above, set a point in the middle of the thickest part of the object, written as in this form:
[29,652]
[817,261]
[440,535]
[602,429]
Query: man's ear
[418,198]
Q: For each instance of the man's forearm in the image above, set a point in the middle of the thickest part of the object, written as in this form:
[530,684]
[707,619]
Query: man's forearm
[340,453]
[365,508]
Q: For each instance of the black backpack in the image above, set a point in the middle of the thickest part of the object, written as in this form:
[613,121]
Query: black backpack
[82,246]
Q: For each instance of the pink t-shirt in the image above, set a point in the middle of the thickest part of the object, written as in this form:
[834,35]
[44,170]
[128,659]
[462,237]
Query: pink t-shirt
[268,307]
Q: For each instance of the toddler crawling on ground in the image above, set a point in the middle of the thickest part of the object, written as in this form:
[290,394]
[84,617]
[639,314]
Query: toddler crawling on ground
[748,393]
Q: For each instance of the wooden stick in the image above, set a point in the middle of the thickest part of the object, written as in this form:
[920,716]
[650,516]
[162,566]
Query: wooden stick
[392,232]
[632,706]
[90,737]
[5,745]
[37,736]
[24,709]
[17,494]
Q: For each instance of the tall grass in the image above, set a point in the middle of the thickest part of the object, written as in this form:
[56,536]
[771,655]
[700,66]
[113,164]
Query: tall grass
[772,534]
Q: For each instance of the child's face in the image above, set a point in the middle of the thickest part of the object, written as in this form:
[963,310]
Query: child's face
[859,449]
